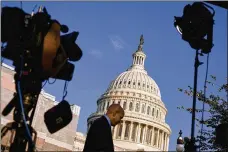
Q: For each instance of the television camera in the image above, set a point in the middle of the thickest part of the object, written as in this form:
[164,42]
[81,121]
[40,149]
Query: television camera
[39,52]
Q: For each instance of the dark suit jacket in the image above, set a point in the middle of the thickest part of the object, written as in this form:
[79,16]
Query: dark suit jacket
[99,137]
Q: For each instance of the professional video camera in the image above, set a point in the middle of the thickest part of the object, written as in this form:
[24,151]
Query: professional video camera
[39,52]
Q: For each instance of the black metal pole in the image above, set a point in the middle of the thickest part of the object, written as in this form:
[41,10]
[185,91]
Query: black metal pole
[197,63]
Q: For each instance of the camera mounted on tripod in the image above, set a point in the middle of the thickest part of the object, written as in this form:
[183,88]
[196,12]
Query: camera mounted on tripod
[39,52]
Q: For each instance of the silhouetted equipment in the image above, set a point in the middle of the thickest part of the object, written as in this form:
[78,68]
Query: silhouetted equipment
[58,117]
[39,52]
[196,24]
[222,135]
[223,4]
[196,27]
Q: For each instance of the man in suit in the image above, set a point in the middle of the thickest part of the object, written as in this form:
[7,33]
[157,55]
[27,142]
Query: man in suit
[99,137]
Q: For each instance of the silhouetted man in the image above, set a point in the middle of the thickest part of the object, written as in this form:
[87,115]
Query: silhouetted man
[99,137]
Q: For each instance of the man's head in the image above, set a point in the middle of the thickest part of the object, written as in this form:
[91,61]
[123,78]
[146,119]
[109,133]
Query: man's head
[115,113]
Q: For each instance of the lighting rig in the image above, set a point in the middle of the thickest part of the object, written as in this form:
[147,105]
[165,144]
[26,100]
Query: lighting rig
[39,52]
[196,28]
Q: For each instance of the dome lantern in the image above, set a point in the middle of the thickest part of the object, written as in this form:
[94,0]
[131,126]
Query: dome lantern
[139,56]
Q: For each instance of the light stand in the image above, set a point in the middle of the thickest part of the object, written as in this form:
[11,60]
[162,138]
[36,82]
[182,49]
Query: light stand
[196,65]
[196,24]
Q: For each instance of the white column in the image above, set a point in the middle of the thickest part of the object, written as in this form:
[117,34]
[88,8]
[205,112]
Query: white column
[167,147]
[105,109]
[145,134]
[152,138]
[114,133]
[123,130]
[131,128]
[165,141]
[121,103]
[139,133]
[157,138]
[162,140]
[134,104]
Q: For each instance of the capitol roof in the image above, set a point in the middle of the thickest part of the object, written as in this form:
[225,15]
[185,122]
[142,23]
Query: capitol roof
[136,77]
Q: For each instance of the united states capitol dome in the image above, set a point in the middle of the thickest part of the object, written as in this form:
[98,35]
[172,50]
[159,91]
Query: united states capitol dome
[143,126]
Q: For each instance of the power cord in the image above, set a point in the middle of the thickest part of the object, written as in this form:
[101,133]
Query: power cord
[22,107]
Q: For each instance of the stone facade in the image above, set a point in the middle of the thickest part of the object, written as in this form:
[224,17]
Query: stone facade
[62,140]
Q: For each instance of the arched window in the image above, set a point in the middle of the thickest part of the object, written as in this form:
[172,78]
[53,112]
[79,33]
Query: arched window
[137,107]
[148,110]
[157,114]
[124,105]
[143,108]
[127,131]
[119,133]
[119,102]
[153,112]
[131,106]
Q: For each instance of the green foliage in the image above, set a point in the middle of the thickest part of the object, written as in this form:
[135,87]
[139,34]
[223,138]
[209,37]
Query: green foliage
[217,110]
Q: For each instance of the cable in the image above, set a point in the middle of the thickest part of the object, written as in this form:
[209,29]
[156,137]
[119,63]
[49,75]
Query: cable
[65,90]
[51,82]
[204,91]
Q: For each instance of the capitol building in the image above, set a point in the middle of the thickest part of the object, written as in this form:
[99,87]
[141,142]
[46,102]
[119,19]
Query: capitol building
[143,127]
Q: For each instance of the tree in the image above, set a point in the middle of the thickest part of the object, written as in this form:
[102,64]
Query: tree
[217,110]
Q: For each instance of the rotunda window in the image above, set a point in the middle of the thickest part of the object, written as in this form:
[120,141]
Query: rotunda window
[153,112]
[131,106]
[139,84]
[147,86]
[124,105]
[143,85]
[137,107]
[157,114]
[119,102]
[129,82]
[148,110]
[133,83]
[125,82]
